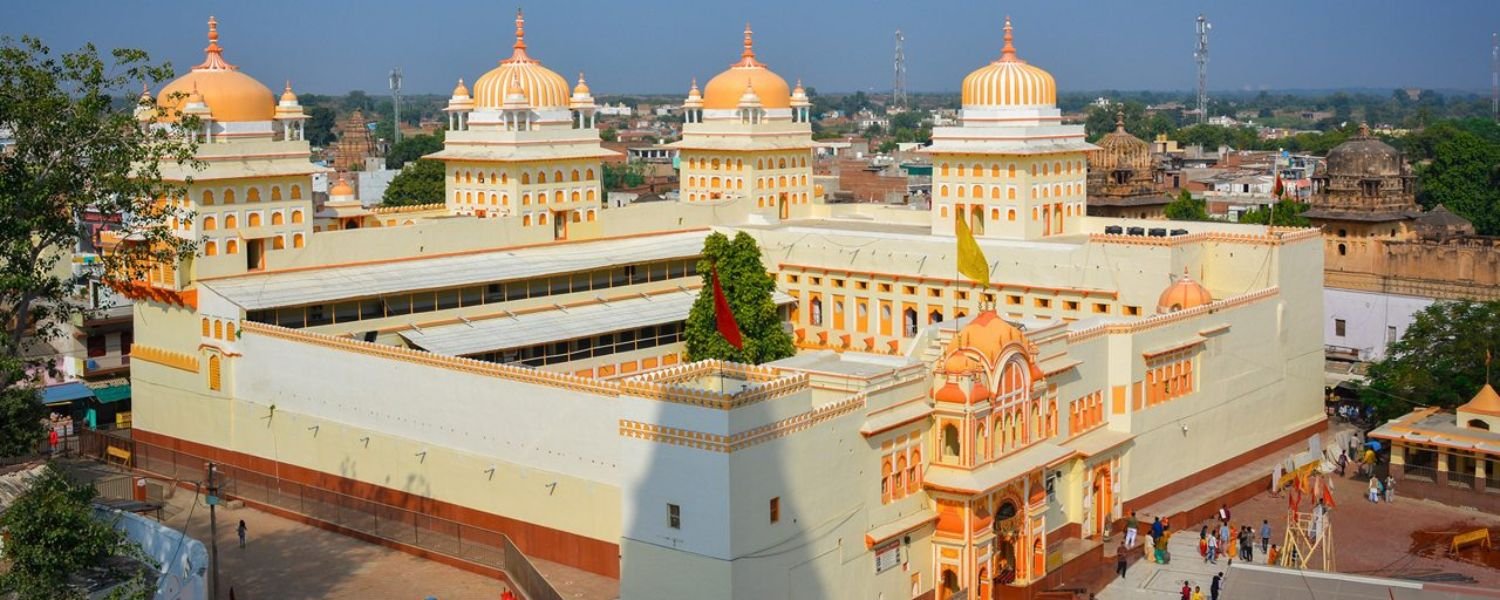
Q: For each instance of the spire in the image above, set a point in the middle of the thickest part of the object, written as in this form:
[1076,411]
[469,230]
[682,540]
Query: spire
[1120,120]
[519,55]
[749,53]
[1364,130]
[214,54]
[1008,53]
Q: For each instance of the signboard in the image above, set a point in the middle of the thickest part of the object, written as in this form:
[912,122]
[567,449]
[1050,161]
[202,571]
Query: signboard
[888,557]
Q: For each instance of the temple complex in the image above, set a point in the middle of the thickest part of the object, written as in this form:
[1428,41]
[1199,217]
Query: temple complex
[1122,180]
[510,364]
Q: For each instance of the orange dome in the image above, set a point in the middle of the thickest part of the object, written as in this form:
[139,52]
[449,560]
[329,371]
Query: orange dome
[229,94]
[950,392]
[950,519]
[989,335]
[979,392]
[725,89]
[959,363]
[342,188]
[1182,295]
[1009,81]
[542,87]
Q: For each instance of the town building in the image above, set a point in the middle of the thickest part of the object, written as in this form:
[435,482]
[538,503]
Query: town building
[1449,457]
[509,367]
[1122,179]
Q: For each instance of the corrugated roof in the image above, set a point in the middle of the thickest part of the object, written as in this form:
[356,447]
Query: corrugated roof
[475,337]
[309,286]
[66,392]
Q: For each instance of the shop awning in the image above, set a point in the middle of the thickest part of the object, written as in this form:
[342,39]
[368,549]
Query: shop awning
[65,393]
[111,394]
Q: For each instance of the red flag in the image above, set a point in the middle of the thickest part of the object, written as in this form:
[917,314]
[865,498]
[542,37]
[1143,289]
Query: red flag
[1279,189]
[724,317]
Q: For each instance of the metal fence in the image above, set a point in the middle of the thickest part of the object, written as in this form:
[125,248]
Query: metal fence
[451,538]
[1419,473]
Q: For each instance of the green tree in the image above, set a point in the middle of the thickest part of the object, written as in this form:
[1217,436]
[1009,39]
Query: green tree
[1439,360]
[53,535]
[1285,213]
[413,148]
[748,288]
[75,151]
[21,410]
[418,183]
[609,135]
[621,176]
[1462,176]
[1187,208]
[320,122]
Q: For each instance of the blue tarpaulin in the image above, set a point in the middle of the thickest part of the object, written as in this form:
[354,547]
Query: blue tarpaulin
[64,393]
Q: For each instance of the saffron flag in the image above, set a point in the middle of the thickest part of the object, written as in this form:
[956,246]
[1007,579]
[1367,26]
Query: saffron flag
[971,261]
[724,318]
[1279,189]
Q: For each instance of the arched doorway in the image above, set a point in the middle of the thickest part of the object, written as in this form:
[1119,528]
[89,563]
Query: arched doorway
[781,206]
[1103,501]
[949,586]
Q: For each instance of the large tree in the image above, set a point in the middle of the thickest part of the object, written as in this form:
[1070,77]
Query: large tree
[1187,208]
[75,151]
[1439,360]
[53,536]
[1462,174]
[413,148]
[1285,213]
[748,288]
[420,182]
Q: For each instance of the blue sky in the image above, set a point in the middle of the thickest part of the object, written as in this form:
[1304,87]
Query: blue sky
[332,46]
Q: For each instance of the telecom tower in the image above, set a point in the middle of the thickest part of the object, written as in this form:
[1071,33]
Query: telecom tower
[396,102]
[1201,54]
[898,90]
[1495,76]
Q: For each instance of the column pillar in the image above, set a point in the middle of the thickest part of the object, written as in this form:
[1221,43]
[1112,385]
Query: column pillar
[1398,461]
[1441,477]
[1479,472]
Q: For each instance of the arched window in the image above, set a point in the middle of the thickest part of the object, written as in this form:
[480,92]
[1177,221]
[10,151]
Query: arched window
[961,191]
[897,487]
[909,322]
[229,196]
[557,197]
[296,192]
[232,247]
[978,170]
[481,177]
[1479,424]
[458,177]
[525,220]
[525,199]
[277,218]
[885,481]
[914,471]
[525,178]
[575,196]
[210,223]
[208,198]
[589,196]
[951,445]
[589,174]
[994,192]
[995,170]
[575,175]
[278,243]
[981,448]
[254,219]
[815,309]
[253,195]
[205,327]
[960,170]
[215,382]
[541,219]
[557,176]
[781,164]
[936,316]
[577,216]
[296,216]
[591,215]
[468,177]
[1012,169]
[218,329]
[504,177]
[977,192]
[297,240]
[1010,193]
[231,222]
[210,248]
[275,193]
[1343,250]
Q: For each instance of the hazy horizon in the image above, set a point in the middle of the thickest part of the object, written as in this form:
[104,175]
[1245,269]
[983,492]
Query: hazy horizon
[657,46]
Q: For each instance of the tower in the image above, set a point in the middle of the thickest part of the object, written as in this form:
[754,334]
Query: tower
[396,104]
[1201,55]
[1495,76]
[898,88]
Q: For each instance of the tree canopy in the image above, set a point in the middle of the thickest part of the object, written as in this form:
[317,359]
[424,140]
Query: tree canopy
[748,287]
[1460,169]
[1439,360]
[52,535]
[420,182]
[1187,208]
[76,151]
[1285,213]
[413,148]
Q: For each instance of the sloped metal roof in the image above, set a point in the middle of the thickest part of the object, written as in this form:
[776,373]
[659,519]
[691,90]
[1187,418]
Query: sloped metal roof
[317,285]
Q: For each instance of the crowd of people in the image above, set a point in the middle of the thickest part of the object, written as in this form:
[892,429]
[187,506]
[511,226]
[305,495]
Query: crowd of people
[1223,538]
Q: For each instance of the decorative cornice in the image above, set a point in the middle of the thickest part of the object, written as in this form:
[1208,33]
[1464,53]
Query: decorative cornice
[745,439]
[1172,317]
[167,358]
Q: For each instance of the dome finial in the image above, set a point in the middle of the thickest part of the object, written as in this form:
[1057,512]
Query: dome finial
[520,31]
[1120,119]
[1009,51]
[1364,130]
[749,53]
[213,54]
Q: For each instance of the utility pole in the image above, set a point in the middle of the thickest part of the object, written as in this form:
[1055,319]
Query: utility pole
[396,102]
[1201,55]
[898,89]
[1495,76]
[213,528]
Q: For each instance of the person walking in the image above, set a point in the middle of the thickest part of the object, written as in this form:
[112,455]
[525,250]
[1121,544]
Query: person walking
[1213,550]
[1187,591]
[1120,562]
[241,531]
[1132,525]
[1157,528]
[1198,594]
[1374,490]
[1390,488]
[1271,556]
[52,439]
[1265,535]
[1203,543]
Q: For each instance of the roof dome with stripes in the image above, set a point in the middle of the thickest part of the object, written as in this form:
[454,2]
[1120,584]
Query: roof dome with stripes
[542,87]
[1009,82]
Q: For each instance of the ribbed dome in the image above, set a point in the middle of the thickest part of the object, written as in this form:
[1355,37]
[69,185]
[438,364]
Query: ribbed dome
[725,89]
[229,94]
[1120,150]
[542,87]
[1183,294]
[988,335]
[1009,82]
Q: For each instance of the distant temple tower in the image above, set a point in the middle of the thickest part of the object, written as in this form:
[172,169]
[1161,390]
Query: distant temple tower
[1121,181]
[355,143]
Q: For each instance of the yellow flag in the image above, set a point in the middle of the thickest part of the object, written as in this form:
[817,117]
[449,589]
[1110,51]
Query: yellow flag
[971,260]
